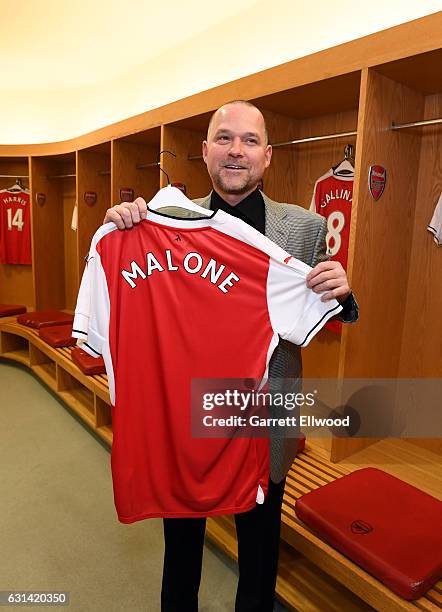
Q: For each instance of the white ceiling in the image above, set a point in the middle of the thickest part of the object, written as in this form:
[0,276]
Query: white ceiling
[57,44]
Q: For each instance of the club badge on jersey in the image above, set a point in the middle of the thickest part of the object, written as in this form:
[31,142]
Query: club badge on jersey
[332,199]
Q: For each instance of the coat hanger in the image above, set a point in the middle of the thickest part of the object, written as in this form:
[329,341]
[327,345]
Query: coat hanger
[17,186]
[172,196]
[345,167]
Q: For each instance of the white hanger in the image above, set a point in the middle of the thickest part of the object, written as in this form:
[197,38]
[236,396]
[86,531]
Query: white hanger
[171,196]
[17,186]
[345,167]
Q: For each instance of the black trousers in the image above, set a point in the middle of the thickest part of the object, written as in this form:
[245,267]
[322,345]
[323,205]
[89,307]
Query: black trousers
[258,548]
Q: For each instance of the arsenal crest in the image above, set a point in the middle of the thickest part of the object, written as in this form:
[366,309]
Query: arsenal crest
[377,178]
[90,197]
[126,194]
[40,198]
[180,186]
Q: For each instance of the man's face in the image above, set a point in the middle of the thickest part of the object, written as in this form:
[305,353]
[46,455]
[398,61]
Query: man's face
[236,152]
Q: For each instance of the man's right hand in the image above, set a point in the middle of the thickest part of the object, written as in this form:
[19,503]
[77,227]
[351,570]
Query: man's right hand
[127,214]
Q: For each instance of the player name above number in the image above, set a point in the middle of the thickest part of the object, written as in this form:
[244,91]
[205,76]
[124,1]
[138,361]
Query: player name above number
[191,263]
[336,194]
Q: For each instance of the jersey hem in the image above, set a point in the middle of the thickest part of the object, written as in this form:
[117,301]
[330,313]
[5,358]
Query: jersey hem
[221,511]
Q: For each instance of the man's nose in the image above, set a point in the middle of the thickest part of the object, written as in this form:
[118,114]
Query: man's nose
[236,147]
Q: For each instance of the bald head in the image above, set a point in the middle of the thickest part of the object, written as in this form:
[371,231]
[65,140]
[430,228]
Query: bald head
[221,112]
[236,151]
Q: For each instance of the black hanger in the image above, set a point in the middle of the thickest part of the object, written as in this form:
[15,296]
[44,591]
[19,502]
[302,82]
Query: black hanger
[159,163]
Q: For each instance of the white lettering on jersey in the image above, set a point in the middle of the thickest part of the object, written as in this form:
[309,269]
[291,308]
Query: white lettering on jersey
[192,263]
[152,264]
[198,266]
[336,194]
[228,281]
[170,265]
[136,271]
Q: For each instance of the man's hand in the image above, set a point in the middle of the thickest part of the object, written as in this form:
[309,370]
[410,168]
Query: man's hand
[126,214]
[329,276]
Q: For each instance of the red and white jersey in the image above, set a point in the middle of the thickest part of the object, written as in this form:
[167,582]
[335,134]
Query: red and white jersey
[332,199]
[15,227]
[173,300]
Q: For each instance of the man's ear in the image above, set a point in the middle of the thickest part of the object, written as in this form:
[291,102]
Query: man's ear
[268,155]
[204,150]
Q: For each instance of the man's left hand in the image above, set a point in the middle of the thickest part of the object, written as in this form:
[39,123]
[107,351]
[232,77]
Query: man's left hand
[329,277]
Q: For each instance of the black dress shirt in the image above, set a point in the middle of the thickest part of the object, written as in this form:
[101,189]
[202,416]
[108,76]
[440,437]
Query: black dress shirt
[251,209]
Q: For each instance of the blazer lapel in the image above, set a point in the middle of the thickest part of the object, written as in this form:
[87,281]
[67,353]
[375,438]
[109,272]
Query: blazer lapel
[276,229]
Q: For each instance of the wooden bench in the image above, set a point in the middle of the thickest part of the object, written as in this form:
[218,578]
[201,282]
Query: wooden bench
[312,575]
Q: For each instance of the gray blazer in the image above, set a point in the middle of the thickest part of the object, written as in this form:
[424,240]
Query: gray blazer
[302,234]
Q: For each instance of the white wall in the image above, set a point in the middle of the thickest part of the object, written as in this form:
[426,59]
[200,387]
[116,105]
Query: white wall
[263,35]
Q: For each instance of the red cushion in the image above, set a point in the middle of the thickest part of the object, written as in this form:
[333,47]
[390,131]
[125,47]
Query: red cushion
[57,335]
[87,364]
[44,318]
[7,310]
[388,527]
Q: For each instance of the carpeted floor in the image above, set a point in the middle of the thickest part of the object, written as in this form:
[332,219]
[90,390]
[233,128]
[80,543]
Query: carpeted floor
[58,526]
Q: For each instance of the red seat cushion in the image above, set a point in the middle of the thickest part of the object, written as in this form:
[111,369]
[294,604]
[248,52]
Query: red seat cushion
[7,310]
[44,318]
[87,364]
[390,528]
[57,335]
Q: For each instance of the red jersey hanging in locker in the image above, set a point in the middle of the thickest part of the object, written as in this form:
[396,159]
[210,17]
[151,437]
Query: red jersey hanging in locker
[15,226]
[332,199]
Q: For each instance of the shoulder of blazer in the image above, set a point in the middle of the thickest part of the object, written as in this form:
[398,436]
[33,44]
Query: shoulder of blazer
[205,202]
[292,212]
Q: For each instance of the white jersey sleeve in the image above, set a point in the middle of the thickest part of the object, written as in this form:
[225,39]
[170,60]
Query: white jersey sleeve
[296,312]
[321,178]
[91,320]
[435,225]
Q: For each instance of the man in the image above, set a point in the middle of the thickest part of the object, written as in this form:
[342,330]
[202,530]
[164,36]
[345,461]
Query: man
[237,153]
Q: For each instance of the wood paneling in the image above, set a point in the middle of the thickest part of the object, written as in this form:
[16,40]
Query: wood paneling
[193,174]
[48,230]
[280,177]
[421,353]
[420,72]
[380,246]
[334,95]
[126,156]
[90,165]
[379,252]
[67,192]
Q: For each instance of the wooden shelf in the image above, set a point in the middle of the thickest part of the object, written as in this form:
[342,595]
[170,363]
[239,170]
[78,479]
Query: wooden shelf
[106,433]
[20,355]
[47,373]
[79,401]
